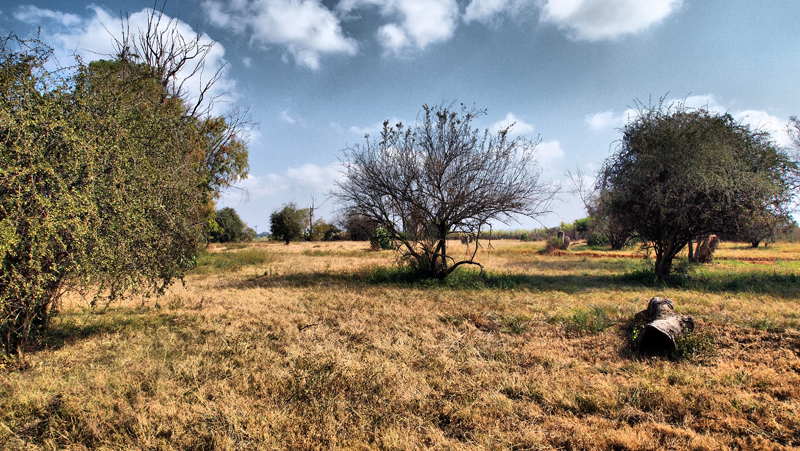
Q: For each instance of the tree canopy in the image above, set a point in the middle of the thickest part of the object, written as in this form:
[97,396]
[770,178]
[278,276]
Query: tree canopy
[107,183]
[426,182]
[230,228]
[288,223]
[680,173]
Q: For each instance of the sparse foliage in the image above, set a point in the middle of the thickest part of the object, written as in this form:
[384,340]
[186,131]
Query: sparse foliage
[442,177]
[603,227]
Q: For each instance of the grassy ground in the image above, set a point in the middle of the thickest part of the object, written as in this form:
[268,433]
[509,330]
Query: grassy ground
[314,346]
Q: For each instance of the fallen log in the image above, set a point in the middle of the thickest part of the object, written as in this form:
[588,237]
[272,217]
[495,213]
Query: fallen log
[662,327]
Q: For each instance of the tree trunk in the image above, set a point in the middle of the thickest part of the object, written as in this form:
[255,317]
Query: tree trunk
[663,265]
[663,327]
[691,251]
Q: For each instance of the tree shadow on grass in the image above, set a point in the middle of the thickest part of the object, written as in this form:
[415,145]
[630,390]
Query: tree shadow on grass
[773,284]
[72,327]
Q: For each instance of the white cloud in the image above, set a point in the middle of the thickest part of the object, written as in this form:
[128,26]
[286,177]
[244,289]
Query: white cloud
[306,29]
[762,120]
[287,118]
[393,38]
[219,18]
[595,20]
[94,38]
[549,151]
[756,119]
[319,178]
[416,23]
[32,15]
[608,120]
[247,61]
[293,183]
[519,128]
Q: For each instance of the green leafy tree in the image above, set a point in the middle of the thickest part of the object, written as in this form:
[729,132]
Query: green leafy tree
[763,227]
[680,173]
[322,231]
[230,227]
[104,188]
[288,223]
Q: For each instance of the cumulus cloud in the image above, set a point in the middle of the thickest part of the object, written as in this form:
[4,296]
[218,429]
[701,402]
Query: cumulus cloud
[318,178]
[93,37]
[595,20]
[608,120]
[32,15]
[415,23]
[255,187]
[762,120]
[756,119]
[549,151]
[519,127]
[306,29]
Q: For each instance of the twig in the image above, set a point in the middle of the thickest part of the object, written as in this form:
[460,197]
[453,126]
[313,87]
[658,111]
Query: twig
[302,328]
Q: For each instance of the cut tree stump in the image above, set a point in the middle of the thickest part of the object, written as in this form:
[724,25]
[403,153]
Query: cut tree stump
[662,327]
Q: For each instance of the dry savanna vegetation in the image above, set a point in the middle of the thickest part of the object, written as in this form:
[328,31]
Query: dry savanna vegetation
[328,346]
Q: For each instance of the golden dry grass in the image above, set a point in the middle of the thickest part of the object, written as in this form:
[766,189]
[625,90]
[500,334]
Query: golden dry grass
[305,350]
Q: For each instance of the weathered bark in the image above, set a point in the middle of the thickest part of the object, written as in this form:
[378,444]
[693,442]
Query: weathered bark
[663,327]
[706,249]
[663,266]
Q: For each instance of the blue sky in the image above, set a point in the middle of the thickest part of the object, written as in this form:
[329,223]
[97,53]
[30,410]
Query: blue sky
[317,75]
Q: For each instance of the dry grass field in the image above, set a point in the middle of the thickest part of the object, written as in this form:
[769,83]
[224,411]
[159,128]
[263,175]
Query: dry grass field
[324,346]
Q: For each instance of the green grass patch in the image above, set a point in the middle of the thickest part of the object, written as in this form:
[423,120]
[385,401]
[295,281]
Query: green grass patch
[462,278]
[335,253]
[232,261]
[593,320]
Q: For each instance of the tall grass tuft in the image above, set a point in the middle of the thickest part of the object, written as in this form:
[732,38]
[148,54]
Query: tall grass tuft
[593,320]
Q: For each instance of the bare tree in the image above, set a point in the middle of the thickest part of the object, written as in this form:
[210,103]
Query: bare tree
[442,177]
[604,220]
[174,58]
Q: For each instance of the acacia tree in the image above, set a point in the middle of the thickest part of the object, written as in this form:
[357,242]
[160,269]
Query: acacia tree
[680,173]
[442,177]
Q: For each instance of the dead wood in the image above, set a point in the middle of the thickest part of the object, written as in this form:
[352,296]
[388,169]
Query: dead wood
[663,327]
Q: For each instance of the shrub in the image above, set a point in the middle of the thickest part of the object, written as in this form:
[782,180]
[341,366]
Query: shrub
[553,245]
[591,321]
[597,239]
[107,182]
[380,239]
